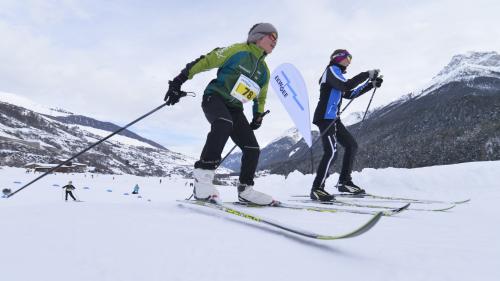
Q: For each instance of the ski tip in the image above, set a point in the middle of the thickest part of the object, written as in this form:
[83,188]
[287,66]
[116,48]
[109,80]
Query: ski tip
[397,210]
[463,201]
[446,209]
[378,216]
[369,225]
[403,208]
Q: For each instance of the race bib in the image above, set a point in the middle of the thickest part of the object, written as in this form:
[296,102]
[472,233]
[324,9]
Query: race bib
[245,89]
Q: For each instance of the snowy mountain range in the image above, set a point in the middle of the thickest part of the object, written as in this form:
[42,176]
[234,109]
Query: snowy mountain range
[466,68]
[278,150]
[31,132]
[455,118]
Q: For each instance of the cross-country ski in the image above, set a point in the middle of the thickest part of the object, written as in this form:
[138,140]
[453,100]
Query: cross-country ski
[234,212]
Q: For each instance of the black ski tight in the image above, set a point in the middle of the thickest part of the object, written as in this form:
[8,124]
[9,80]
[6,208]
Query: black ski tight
[70,194]
[227,123]
[336,133]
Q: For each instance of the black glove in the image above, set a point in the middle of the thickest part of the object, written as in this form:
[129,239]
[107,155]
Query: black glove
[174,93]
[256,121]
[377,82]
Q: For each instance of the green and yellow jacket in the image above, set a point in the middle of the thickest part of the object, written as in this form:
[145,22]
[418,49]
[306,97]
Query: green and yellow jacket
[240,58]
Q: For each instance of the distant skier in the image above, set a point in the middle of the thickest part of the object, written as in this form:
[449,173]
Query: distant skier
[242,76]
[136,189]
[69,191]
[334,87]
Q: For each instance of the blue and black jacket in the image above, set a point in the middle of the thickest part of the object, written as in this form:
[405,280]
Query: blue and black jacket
[333,87]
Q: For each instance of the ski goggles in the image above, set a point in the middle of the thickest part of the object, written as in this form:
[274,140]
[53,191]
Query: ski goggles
[273,35]
[341,56]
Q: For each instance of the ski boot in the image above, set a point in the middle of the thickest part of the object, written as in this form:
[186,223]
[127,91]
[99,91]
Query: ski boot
[204,188]
[246,194]
[319,194]
[349,187]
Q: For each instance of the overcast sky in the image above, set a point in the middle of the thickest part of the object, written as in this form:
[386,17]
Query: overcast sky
[112,60]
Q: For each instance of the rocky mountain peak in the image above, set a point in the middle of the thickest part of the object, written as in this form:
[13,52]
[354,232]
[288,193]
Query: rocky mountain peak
[465,67]
[485,61]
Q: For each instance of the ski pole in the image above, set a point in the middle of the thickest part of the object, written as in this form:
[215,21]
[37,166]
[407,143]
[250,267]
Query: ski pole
[366,111]
[345,107]
[333,122]
[367,107]
[222,161]
[87,149]
[319,137]
[77,198]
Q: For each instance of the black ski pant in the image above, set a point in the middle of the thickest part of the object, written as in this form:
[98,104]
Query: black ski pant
[225,123]
[330,136]
[68,192]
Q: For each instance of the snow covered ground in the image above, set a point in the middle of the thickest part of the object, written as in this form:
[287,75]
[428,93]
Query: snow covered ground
[112,236]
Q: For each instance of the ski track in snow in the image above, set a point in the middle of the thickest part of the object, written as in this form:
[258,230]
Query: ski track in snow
[112,236]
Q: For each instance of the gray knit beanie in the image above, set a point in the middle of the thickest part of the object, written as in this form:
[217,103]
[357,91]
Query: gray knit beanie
[260,30]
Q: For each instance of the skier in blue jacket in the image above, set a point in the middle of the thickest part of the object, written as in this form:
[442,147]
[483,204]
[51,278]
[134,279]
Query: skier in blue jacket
[333,87]
[136,189]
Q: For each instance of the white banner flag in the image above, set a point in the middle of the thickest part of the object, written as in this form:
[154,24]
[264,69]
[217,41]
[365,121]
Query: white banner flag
[289,85]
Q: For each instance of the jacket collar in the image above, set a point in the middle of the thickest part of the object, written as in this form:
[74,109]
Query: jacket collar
[256,50]
[342,68]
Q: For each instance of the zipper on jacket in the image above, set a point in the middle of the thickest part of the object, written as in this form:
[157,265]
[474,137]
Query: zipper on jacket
[257,65]
[254,70]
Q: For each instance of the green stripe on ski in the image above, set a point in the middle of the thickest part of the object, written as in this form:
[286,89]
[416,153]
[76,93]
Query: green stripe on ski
[223,208]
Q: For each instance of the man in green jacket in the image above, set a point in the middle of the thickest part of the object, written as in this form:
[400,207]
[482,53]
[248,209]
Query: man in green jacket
[242,76]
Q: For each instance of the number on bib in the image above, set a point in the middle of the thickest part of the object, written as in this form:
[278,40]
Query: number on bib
[245,89]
